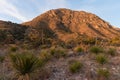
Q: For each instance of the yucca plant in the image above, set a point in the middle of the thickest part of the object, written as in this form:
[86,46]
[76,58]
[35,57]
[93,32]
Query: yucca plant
[25,64]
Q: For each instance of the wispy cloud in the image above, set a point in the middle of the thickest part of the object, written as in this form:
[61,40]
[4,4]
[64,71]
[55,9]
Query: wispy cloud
[7,8]
[50,4]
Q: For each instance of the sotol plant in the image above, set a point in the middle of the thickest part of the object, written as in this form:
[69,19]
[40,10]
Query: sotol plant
[25,64]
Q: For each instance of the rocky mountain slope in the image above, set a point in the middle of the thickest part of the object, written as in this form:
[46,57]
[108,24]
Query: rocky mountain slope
[69,24]
[60,24]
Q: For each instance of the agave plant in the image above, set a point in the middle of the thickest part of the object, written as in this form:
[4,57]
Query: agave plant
[25,64]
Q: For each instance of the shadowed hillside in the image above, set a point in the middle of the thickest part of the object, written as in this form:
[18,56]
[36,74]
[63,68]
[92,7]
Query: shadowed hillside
[11,32]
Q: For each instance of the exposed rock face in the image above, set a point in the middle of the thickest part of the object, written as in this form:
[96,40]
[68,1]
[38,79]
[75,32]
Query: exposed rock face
[67,24]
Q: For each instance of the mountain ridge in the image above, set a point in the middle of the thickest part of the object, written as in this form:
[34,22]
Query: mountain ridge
[75,21]
[65,25]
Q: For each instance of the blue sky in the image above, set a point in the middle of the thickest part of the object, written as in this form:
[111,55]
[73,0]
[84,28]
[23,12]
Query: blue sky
[24,10]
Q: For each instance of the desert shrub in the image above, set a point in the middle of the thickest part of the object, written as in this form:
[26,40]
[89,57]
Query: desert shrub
[2,58]
[89,40]
[25,64]
[3,35]
[78,49]
[13,48]
[111,51]
[70,44]
[102,59]
[45,55]
[115,41]
[103,73]
[75,66]
[44,46]
[58,53]
[52,51]
[96,49]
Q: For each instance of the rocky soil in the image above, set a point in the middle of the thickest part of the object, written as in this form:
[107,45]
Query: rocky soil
[58,69]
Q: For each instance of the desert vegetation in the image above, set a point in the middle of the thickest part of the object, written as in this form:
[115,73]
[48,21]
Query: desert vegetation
[54,46]
[26,63]
[75,66]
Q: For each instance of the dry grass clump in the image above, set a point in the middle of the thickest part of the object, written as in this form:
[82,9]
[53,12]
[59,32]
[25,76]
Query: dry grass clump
[75,66]
[13,48]
[96,49]
[78,49]
[101,59]
[58,52]
[45,55]
[112,51]
[103,74]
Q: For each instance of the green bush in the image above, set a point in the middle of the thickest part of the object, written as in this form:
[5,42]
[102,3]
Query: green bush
[75,66]
[45,56]
[78,49]
[103,73]
[52,51]
[13,49]
[102,59]
[58,53]
[111,51]
[96,49]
